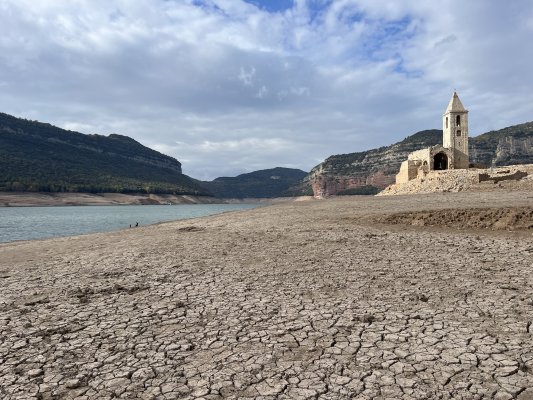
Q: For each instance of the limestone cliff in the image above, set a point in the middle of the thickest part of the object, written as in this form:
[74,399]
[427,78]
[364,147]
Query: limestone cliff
[370,171]
[508,146]
[358,173]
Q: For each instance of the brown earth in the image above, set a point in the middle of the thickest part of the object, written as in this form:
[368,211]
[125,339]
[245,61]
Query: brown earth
[303,300]
[507,218]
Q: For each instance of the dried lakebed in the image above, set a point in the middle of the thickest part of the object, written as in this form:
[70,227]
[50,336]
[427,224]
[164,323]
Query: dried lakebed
[294,301]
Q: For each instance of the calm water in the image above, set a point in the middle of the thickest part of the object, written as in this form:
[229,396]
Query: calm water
[24,223]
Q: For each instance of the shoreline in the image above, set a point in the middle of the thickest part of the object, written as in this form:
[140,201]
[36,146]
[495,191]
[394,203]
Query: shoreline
[51,234]
[44,199]
[127,229]
[295,300]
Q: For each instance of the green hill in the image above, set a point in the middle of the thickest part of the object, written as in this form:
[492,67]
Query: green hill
[35,156]
[266,183]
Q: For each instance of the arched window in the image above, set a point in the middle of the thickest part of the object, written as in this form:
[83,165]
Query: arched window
[458,120]
[446,122]
[459,133]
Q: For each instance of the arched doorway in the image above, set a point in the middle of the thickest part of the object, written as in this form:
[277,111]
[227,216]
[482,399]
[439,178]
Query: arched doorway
[440,161]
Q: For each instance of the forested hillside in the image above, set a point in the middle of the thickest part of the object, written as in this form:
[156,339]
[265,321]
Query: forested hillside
[35,156]
[267,183]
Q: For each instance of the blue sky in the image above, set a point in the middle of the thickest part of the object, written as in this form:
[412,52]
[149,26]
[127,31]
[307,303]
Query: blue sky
[232,86]
[272,5]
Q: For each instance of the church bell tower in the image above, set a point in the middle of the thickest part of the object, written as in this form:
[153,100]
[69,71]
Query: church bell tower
[455,132]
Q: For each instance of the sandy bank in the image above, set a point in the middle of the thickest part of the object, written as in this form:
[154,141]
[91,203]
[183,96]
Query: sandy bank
[293,301]
[13,199]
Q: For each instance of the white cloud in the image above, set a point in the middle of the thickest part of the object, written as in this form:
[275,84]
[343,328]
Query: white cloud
[246,77]
[260,89]
[262,92]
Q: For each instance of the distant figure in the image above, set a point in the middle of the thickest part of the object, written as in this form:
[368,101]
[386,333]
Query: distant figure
[136,224]
[130,225]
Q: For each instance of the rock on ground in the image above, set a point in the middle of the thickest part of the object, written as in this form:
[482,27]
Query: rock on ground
[508,178]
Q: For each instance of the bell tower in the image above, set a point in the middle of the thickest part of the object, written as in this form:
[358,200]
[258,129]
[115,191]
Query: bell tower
[455,132]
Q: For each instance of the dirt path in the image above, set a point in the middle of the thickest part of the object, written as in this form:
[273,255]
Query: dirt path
[294,301]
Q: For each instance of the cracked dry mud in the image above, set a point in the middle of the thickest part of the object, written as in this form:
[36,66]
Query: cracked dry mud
[294,301]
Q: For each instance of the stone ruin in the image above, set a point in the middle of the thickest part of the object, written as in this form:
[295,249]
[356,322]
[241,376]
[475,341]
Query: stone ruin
[453,154]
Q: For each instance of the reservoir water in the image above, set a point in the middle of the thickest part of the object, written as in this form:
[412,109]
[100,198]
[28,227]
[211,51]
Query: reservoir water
[25,223]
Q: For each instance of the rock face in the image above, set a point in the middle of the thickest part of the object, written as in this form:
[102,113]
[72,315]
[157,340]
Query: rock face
[377,168]
[508,146]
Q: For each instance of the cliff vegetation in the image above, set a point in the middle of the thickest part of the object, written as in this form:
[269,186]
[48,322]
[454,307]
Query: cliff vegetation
[39,157]
[267,183]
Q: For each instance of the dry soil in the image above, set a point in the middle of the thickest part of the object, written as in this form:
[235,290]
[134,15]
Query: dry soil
[309,300]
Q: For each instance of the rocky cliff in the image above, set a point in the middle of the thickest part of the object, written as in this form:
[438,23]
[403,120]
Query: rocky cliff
[508,146]
[369,171]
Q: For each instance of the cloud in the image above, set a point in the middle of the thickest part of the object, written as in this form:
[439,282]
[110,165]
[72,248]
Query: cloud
[228,86]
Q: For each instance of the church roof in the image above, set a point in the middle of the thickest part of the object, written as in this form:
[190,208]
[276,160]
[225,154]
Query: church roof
[455,104]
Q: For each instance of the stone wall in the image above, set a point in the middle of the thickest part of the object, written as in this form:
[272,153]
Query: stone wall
[423,154]
[408,171]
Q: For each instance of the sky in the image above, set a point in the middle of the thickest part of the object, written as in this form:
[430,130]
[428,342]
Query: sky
[233,86]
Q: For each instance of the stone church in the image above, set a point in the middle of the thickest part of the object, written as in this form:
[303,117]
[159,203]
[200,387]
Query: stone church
[453,154]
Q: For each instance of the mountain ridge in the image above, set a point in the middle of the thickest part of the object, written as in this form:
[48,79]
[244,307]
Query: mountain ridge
[37,156]
[372,170]
[266,183]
